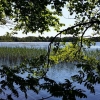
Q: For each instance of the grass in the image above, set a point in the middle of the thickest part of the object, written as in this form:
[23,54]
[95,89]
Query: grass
[93,53]
[19,54]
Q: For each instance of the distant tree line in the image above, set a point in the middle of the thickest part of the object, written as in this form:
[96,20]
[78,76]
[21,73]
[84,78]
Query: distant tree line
[42,39]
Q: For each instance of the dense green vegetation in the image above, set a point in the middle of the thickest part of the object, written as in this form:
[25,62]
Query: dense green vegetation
[33,39]
[71,55]
[42,39]
[39,16]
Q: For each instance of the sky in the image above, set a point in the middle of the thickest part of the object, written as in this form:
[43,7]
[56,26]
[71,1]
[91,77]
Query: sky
[66,19]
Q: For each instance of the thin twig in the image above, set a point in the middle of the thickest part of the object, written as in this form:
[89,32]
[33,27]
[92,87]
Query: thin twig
[84,33]
[45,98]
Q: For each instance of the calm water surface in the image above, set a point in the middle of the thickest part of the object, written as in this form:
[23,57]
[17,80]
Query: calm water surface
[25,44]
[34,44]
[59,73]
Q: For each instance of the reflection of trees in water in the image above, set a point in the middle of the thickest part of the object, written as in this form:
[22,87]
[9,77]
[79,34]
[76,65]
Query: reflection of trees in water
[64,89]
[17,84]
[10,62]
[57,82]
[65,66]
[62,71]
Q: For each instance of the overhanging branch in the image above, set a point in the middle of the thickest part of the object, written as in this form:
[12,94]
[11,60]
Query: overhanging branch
[92,22]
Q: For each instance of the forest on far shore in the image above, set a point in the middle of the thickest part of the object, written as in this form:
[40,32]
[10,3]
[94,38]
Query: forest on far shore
[42,39]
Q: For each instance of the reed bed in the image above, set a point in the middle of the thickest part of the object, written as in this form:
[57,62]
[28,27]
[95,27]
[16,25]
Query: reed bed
[93,53]
[16,54]
[19,54]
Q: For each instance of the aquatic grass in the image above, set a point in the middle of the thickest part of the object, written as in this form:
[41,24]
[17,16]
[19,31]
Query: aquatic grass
[19,53]
[16,54]
[93,53]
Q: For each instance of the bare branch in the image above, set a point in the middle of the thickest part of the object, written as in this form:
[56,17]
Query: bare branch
[68,17]
[69,28]
[84,33]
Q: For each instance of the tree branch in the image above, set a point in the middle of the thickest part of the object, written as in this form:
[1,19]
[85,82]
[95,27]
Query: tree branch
[69,28]
[45,98]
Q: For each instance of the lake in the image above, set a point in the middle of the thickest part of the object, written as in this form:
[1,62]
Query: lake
[57,72]
[25,44]
[35,44]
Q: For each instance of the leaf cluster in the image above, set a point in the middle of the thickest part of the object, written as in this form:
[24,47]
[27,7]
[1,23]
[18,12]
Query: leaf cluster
[65,90]
[12,81]
[32,16]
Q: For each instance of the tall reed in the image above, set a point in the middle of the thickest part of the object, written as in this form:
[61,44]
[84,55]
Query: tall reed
[19,54]
[93,53]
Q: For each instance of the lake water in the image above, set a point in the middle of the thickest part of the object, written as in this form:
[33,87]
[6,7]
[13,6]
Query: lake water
[25,44]
[35,44]
[58,73]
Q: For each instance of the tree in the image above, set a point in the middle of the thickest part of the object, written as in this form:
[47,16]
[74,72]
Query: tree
[32,16]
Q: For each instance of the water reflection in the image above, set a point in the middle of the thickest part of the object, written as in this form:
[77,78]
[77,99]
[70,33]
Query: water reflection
[59,73]
[62,71]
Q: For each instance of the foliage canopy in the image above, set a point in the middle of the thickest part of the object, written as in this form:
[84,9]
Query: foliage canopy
[31,16]
[34,15]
